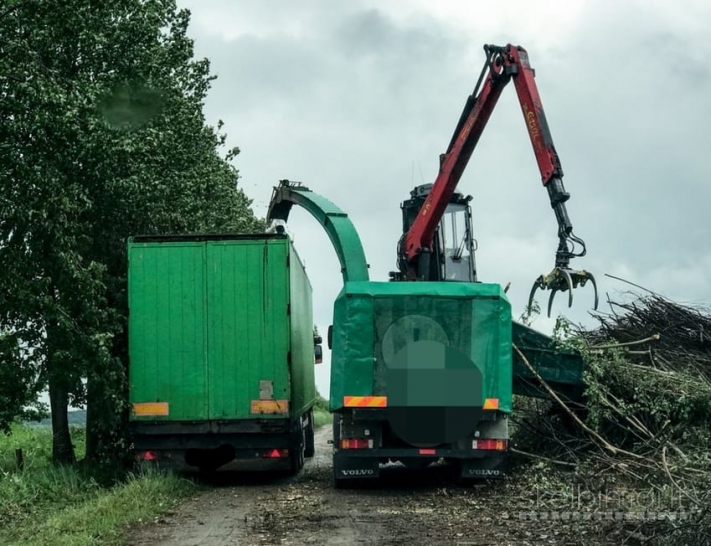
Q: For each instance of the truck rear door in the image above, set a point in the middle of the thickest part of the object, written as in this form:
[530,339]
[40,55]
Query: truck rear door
[248,327]
[168,371]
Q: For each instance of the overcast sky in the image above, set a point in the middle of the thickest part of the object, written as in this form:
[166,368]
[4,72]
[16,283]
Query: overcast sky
[357,100]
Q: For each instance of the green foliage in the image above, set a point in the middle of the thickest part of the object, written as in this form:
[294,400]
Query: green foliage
[322,415]
[321,403]
[18,387]
[41,486]
[662,401]
[647,417]
[102,518]
[322,418]
[534,309]
[103,137]
[618,391]
[47,504]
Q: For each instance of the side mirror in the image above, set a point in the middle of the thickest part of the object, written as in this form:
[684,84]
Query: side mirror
[330,336]
[318,351]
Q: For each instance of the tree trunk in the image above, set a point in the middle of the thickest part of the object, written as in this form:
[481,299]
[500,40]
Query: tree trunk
[107,391]
[92,436]
[98,429]
[62,448]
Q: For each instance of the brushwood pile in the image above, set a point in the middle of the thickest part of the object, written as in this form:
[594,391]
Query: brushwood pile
[645,419]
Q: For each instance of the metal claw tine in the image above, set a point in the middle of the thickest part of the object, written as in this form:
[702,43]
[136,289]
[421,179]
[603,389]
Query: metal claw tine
[550,301]
[592,280]
[569,280]
[533,293]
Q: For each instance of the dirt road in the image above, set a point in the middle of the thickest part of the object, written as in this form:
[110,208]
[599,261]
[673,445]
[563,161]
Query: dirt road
[405,508]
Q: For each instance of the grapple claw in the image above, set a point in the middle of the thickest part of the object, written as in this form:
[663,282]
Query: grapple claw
[560,280]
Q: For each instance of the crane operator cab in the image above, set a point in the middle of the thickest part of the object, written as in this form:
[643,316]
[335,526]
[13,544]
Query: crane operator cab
[453,246]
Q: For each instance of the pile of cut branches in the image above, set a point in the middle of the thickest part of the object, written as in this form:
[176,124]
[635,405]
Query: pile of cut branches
[684,334]
[647,413]
[648,372]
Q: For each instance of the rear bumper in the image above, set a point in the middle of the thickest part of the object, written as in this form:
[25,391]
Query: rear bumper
[439,453]
[373,425]
[365,463]
[195,444]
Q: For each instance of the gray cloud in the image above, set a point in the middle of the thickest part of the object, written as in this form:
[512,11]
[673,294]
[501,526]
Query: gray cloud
[359,105]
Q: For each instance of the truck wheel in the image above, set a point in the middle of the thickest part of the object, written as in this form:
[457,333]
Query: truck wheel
[310,449]
[296,450]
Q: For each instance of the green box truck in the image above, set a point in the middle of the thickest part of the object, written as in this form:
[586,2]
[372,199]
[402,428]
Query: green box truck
[221,351]
[420,371]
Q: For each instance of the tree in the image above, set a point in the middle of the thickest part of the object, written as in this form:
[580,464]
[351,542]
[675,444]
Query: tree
[102,136]
[18,384]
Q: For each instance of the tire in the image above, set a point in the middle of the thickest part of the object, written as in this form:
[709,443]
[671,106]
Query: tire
[297,448]
[310,449]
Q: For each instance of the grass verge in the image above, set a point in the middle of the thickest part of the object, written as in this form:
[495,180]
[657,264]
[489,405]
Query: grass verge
[64,506]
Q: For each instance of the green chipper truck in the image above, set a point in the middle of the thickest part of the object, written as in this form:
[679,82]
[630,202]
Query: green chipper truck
[424,371]
[221,351]
[424,367]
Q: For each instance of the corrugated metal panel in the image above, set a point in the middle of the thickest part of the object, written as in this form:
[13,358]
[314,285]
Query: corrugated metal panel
[248,339]
[167,346]
[301,330]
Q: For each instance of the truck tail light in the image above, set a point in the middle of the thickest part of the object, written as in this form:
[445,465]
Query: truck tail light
[147,455]
[490,444]
[275,454]
[356,443]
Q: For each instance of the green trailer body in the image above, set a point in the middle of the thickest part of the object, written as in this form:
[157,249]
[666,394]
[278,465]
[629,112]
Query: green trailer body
[221,349]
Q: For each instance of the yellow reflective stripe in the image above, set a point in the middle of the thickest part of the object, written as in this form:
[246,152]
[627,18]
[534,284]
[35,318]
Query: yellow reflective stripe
[270,406]
[143,409]
[365,401]
[491,404]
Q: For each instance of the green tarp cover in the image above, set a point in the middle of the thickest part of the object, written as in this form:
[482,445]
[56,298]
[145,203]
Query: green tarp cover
[385,328]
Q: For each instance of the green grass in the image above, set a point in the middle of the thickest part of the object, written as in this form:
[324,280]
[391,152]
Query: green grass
[322,418]
[47,505]
[63,506]
[103,517]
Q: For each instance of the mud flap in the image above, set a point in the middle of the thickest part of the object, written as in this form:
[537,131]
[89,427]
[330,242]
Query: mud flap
[483,468]
[354,468]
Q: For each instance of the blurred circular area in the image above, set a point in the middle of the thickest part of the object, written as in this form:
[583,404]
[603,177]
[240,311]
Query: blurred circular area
[434,394]
[131,106]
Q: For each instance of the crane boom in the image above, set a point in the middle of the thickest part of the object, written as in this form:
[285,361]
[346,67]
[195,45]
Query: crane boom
[502,65]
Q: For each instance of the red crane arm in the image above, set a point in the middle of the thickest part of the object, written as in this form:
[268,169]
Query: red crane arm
[503,63]
[535,117]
